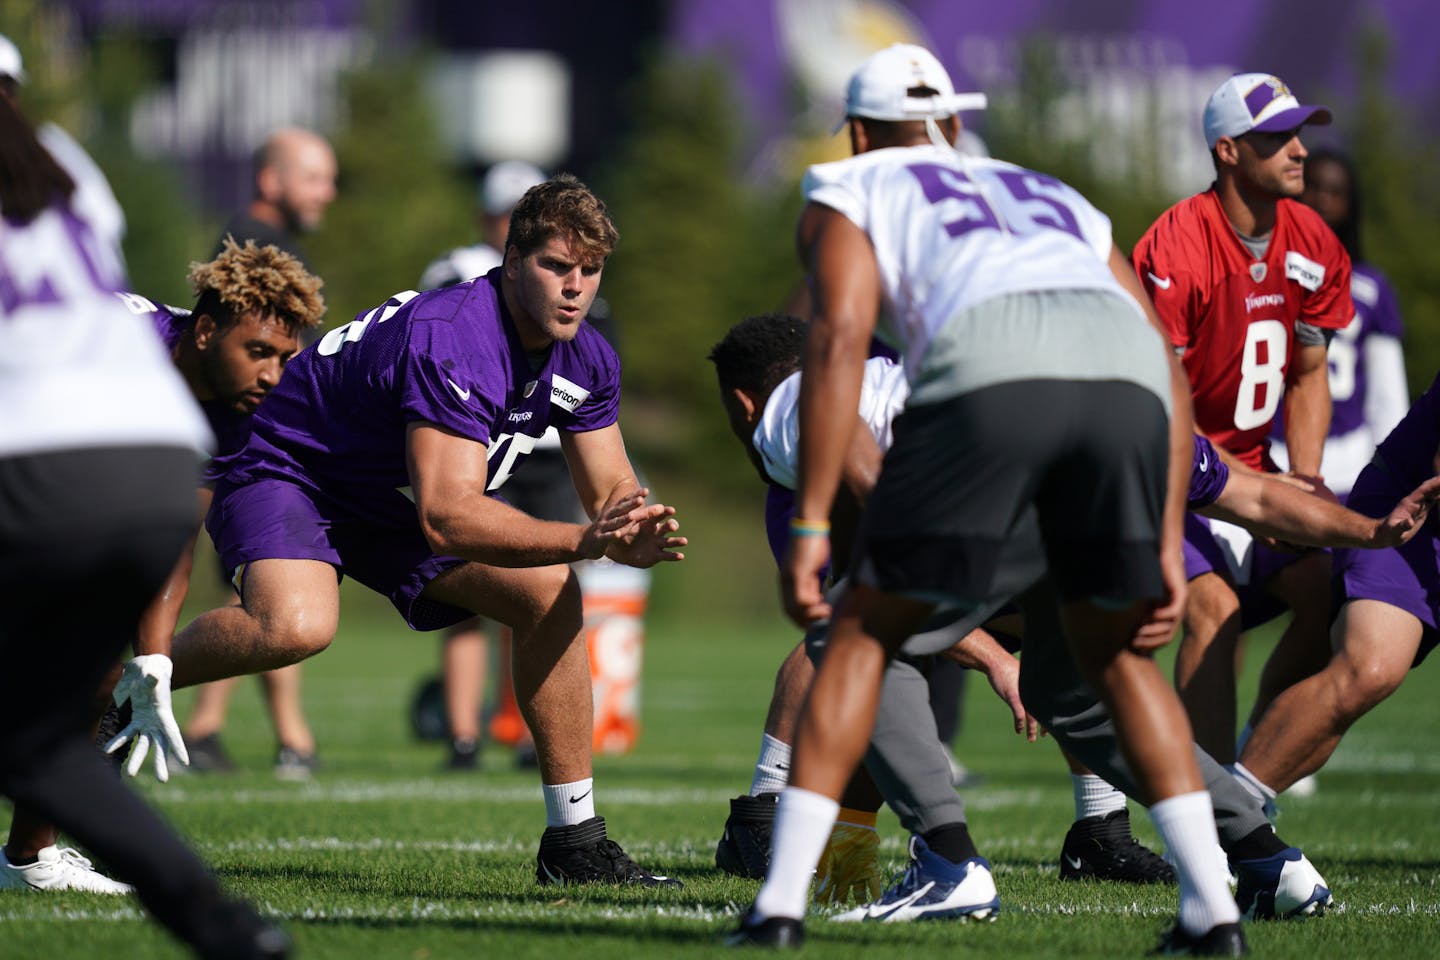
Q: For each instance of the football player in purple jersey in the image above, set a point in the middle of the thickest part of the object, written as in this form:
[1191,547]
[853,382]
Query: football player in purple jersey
[251,304]
[1388,620]
[379,455]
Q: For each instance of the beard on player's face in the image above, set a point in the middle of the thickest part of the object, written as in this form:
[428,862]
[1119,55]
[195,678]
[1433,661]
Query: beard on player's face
[225,385]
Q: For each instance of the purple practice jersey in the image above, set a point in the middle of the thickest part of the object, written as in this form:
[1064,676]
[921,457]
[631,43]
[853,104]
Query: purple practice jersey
[450,357]
[1208,475]
[1408,453]
[231,427]
[1377,313]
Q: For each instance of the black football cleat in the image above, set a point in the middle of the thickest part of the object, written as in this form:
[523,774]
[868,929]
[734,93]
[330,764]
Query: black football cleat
[775,933]
[744,847]
[1221,940]
[1103,848]
[582,853]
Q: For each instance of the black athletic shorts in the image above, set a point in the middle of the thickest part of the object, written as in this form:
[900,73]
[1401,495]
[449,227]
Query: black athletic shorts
[982,493]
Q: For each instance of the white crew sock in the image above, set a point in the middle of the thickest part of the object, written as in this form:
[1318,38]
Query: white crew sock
[567,804]
[772,770]
[1252,783]
[1094,797]
[1186,823]
[803,820]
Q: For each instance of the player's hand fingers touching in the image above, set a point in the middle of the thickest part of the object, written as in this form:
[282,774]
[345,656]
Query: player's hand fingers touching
[800,582]
[1160,624]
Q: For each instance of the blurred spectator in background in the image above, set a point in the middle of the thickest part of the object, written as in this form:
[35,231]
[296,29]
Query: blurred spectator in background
[502,187]
[1368,392]
[295,173]
[68,350]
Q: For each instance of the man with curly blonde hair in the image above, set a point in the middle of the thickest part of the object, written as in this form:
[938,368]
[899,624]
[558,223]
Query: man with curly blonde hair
[251,304]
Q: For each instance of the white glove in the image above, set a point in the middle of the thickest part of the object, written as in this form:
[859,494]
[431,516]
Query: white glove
[145,682]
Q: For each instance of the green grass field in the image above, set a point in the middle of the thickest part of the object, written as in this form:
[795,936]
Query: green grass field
[383,855]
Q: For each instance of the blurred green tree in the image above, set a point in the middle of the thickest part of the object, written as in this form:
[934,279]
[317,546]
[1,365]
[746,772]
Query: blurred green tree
[400,204]
[1396,161]
[701,248]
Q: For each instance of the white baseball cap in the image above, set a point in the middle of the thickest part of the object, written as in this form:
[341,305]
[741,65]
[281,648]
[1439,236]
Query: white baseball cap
[505,183]
[10,63]
[1256,101]
[880,89]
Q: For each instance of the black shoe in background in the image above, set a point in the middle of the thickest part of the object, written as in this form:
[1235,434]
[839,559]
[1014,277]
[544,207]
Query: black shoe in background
[582,853]
[1103,848]
[744,847]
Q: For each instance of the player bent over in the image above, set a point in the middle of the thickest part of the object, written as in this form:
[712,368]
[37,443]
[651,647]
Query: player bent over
[1387,620]
[251,303]
[377,456]
[757,365]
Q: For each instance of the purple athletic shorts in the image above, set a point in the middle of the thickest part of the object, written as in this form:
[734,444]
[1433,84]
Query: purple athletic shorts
[1205,553]
[382,547]
[1406,577]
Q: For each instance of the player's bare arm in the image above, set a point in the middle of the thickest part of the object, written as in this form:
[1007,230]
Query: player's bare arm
[1163,620]
[448,474]
[605,482]
[1307,409]
[159,619]
[978,650]
[845,285]
[861,470]
[1274,508]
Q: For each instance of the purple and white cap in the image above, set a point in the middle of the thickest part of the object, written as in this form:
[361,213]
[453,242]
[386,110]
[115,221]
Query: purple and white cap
[1256,101]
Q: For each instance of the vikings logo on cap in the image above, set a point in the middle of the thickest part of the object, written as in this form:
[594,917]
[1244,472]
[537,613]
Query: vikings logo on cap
[1256,101]
[1268,93]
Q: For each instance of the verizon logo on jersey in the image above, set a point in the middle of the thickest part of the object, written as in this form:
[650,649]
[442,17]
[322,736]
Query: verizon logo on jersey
[1303,270]
[565,394]
[1257,300]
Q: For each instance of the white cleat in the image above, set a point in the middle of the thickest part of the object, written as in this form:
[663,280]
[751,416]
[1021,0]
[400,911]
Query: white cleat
[1282,887]
[59,868]
[933,888]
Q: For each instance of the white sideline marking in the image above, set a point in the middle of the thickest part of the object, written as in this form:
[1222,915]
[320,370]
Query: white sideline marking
[446,791]
[542,911]
[416,910]
[370,791]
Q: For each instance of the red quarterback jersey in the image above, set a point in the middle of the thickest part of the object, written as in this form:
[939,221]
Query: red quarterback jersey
[1234,316]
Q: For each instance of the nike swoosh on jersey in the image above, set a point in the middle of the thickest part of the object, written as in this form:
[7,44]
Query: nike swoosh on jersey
[462,394]
[1162,284]
[1204,462]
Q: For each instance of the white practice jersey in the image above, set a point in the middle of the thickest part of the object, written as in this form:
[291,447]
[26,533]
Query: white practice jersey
[93,200]
[950,232]
[459,265]
[777,437]
[77,367]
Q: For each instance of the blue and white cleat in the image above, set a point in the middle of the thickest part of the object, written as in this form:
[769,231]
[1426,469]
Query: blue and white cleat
[1281,887]
[933,888]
